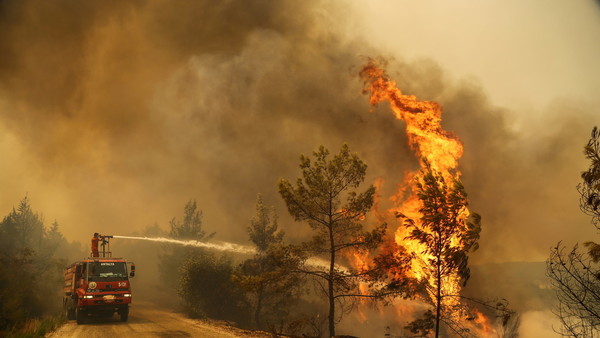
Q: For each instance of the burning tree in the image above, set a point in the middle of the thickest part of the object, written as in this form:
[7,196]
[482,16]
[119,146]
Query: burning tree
[326,198]
[446,238]
[576,275]
[437,233]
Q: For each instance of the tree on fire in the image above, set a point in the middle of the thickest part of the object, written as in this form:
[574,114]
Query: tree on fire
[447,237]
[267,278]
[575,275]
[326,197]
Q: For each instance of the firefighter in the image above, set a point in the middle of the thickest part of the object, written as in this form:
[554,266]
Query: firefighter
[95,241]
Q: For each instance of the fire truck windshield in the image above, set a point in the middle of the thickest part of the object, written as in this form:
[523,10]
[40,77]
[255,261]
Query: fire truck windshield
[107,271]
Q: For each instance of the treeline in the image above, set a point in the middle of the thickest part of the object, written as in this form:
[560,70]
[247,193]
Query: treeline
[305,288]
[32,258]
[256,292]
[302,288]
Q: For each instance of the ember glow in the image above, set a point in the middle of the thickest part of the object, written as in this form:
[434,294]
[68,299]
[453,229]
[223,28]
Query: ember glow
[431,144]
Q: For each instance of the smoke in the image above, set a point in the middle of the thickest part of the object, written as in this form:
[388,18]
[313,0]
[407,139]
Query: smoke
[538,324]
[515,174]
[114,114]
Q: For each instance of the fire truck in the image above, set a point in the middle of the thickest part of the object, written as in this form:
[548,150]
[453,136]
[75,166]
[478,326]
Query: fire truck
[98,285]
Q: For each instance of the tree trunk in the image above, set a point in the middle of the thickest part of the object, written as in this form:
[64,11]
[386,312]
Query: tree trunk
[331,310]
[331,289]
[331,272]
[258,307]
[438,299]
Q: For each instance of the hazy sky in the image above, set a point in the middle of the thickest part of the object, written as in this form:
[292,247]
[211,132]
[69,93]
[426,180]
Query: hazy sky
[537,61]
[113,115]
[524,53]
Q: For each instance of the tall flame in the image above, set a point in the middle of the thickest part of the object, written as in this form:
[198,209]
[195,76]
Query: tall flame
[425,134]
[431,144]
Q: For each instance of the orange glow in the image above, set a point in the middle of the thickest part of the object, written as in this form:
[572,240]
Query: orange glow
[431,143]
[481,324]
[359,261]
[484,323]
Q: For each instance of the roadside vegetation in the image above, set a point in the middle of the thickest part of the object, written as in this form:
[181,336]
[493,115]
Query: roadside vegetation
[32,258]
[298,287]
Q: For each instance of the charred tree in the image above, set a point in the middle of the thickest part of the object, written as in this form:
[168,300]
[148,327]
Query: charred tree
[575,275]
[326,197]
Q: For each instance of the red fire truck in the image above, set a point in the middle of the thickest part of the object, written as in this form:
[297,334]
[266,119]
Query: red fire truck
[98,286]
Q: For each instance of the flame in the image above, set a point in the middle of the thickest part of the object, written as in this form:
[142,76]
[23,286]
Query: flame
[484,325]
[360,262]
[425,134]
[431,144]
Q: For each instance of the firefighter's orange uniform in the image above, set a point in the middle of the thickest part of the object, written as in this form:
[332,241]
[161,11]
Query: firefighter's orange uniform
[95,252]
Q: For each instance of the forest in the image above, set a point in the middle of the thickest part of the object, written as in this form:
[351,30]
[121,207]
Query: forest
[305,288]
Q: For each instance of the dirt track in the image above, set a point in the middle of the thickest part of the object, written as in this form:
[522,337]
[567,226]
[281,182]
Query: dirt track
[147,320]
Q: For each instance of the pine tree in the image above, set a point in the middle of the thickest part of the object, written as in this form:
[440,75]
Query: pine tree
[447,237]
[29,270]
[268,278]
[326,197]
[575,275]
[173,256]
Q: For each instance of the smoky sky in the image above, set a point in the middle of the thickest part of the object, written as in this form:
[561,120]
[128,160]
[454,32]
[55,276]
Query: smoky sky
[114,114]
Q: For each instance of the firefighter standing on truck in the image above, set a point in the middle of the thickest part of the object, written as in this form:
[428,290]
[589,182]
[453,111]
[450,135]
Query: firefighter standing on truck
[95,240]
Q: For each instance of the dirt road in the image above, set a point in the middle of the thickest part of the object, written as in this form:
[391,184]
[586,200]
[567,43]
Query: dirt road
[148,320]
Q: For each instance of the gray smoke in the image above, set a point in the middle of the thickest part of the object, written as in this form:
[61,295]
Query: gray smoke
[114,114]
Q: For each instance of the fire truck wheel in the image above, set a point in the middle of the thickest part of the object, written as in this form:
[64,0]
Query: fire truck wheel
[124,314]
[69,313]
[80,315]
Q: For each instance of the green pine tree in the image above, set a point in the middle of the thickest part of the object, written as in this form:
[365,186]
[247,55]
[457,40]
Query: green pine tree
[327,198]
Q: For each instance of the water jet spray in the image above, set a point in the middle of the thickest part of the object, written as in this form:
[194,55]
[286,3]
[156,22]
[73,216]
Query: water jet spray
[223,246]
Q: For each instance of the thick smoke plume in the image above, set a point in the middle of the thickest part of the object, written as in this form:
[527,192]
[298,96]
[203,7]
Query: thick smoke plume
[113,114]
